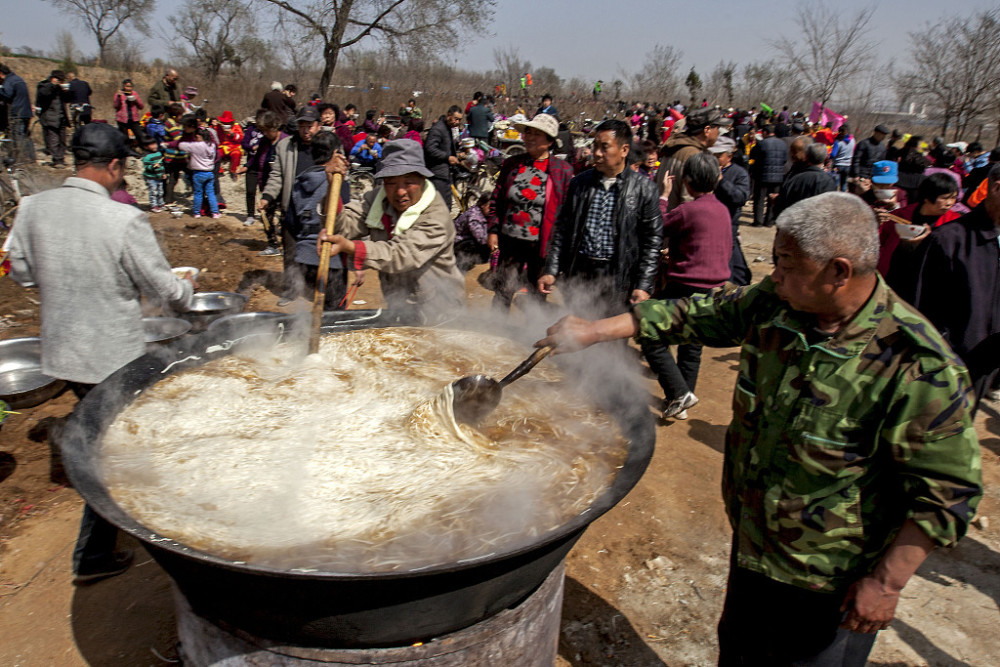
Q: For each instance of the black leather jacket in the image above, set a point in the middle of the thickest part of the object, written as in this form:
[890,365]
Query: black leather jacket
[638,230]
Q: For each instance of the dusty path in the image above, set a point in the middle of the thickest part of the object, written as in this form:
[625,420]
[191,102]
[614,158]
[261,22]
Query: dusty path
[645,583]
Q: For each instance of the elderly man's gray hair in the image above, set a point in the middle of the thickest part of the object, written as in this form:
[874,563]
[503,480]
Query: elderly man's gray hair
[834,224]
[276,85]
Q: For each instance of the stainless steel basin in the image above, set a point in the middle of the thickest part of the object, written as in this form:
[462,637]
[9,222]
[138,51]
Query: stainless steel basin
[22,383]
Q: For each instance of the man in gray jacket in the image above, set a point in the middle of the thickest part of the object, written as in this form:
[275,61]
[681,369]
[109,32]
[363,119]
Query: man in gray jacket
[292,156]
[92,259]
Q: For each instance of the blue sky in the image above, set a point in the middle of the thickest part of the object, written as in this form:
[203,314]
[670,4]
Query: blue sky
[589,38]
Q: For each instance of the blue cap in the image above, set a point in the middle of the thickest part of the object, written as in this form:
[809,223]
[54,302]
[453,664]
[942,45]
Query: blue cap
[885,172]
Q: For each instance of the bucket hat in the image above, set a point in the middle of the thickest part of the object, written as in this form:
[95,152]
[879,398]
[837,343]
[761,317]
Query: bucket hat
[403,156]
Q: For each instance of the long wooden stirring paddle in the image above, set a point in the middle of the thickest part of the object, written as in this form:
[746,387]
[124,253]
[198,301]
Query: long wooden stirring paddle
[332,204]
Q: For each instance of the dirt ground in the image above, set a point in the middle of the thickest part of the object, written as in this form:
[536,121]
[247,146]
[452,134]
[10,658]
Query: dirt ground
[645,584]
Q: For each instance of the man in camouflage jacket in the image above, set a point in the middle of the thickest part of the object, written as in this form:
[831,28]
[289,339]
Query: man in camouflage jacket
[851,453]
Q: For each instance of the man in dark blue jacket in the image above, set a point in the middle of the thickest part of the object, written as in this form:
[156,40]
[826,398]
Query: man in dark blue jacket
[809,181]
[480,119]
[768,170]
[868,152]
[14,92]
[80,93]
[733,191]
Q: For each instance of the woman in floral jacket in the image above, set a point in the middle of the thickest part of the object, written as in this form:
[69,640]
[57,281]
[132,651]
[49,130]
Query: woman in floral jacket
[531,188]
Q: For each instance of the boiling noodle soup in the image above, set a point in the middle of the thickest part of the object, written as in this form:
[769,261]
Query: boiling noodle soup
[350,460]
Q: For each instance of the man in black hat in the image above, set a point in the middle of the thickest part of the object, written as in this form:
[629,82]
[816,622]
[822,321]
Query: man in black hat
[91,275]
[701,130]
[292,156]
[868,152]
[51,99]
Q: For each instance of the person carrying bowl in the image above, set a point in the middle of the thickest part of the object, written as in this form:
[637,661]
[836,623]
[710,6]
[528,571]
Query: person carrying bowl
[91,276]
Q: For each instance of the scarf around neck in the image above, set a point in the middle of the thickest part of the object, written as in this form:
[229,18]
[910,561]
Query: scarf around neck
[407,217]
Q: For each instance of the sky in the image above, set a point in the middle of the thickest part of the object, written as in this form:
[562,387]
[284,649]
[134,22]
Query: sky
[593,39]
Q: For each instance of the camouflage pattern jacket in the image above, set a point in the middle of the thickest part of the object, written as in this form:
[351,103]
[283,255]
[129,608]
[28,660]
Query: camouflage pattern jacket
[833,444]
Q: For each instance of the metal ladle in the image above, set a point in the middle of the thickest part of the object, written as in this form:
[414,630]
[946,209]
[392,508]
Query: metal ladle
[476,396]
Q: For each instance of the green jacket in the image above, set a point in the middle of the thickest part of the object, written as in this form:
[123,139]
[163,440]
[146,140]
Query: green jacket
[833,444]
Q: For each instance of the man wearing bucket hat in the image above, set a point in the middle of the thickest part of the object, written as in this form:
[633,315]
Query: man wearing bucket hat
[408,236]
[531,188]
[90,275]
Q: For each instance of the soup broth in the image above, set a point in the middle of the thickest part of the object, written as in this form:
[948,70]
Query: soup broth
[350,460]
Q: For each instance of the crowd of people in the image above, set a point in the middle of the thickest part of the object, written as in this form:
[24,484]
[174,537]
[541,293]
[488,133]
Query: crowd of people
[864,355]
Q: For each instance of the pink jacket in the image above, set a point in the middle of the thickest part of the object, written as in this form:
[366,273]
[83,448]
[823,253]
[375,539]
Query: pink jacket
[122,106]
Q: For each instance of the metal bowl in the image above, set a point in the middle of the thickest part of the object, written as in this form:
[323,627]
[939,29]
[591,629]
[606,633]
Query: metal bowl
[206,307]
[162,330]
[22,383]
[246,323]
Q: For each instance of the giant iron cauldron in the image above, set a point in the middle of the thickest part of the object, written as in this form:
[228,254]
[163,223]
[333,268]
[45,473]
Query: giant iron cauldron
[327,609]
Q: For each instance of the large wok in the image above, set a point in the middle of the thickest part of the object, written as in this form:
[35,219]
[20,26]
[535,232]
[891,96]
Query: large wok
[327,609]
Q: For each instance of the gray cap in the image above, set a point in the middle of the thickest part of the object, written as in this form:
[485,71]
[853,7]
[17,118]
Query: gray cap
[722,145]
[402,156]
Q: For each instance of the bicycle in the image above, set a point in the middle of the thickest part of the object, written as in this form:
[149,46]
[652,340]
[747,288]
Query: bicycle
[10,189]
[361,180]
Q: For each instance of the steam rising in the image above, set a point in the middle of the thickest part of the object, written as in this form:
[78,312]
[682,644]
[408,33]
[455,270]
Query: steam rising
[350,461]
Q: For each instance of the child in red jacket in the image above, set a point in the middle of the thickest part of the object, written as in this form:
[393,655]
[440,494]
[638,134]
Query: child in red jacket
[230,138]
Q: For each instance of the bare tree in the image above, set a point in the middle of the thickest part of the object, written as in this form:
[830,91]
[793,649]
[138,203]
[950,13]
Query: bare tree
[64,49]
[658,77]
[546,80]
[956,66]
[721,83]
[124,54]
[104,18]
[768,83]
[400,24]
[830,48]
[218,33]
[509,67]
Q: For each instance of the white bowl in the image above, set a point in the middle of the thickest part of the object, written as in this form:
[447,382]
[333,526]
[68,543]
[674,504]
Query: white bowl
[182,271]
[909,231]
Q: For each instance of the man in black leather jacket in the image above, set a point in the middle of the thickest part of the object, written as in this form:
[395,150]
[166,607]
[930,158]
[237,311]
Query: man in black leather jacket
[610,230]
